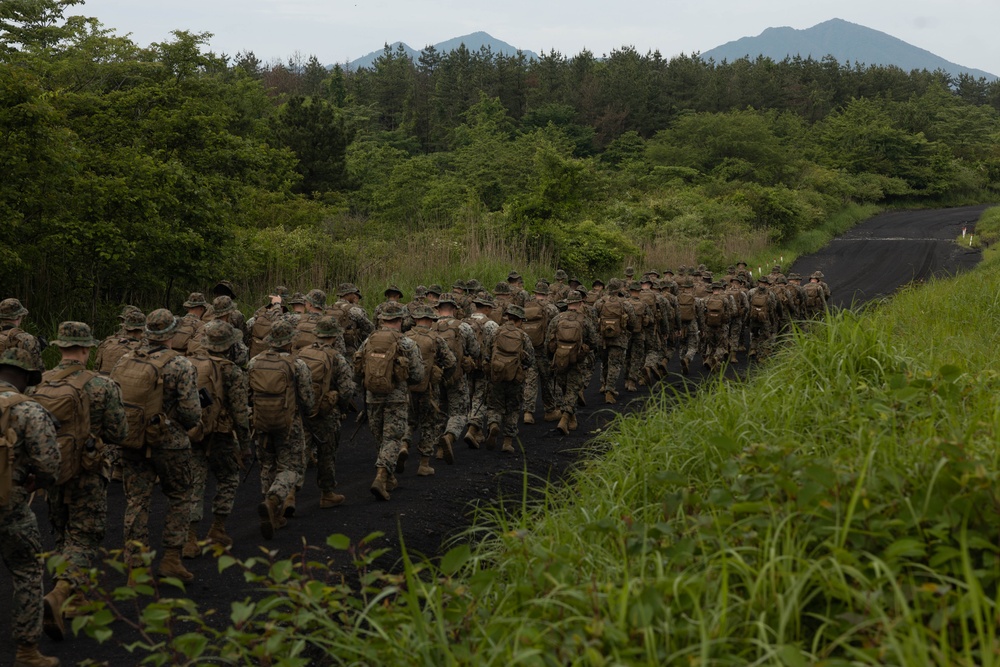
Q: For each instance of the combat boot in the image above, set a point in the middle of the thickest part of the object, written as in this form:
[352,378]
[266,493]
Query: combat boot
[329,499]
[378,486]
[529,418]
[564,423]
[609,397]
[28,656]
[53,621]
[685,366]
[508,446]
[650,375]
[732,357]
[404,453]
[217,533]
[425,469]
[391,483]
[268,513]
[552,415]
[438,453]
[491,437]
[446,442]
[191,548]
[171,566]
[572,422]
[288,507]
[473,436]
[580,400]
[630,385]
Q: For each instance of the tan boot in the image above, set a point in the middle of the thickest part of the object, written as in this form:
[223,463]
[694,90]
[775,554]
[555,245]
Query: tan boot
[288,508]
[473,436]
[268,513]
[572,422]
[391,483]
[28,656]
[217,533]
[580,400]
[446,442]
[53,621]
[685,366]
[404,453]
[330,499]
[191,548]
[439,454]
[491,437]
[564,423]
[171,566]
[378,486]
[609,397]
[630,385]
[552,415]
[529,418]
[425,469]
[508,446]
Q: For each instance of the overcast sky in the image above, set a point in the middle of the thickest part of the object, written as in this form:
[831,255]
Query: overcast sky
[962,31]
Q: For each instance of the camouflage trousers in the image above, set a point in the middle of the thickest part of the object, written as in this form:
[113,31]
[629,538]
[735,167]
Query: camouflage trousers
[454,403]
[388,423]
[20,546]
[761,338]
[479,387]
[737,330]
[636,356]
[571,381]
[423,418]
[281,462]
[503,406]
[302,450]
[613,363]
[173,466]
[715,344]
[216,453]
[539,380]
[78,512]
[687,345]
[654,347]
[324,437]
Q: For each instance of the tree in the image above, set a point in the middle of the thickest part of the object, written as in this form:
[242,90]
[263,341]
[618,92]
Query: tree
[314,130]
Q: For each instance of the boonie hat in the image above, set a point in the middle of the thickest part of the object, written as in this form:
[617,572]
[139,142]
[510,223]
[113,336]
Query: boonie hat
[160,325]
[11,309]
[424,312]
[74,334]
[328,327]
[20,358]
[515,311]
[219,336]
[195,299]
[393,312]
[316,298]
[281,334]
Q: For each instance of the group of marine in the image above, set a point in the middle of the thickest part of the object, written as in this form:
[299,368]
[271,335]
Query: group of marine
[168,398]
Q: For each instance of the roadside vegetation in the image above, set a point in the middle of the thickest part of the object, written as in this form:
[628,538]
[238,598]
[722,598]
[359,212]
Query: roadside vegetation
[839,506]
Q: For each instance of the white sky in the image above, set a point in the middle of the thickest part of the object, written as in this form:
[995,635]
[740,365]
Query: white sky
[962,31]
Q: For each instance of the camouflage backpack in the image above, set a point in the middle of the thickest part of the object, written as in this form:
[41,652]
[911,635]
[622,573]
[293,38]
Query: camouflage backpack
[320,366]
[507,354]
[535,322]
[478,324]
[272,384]
[262,323]
[185,336]
[686,306]
[209,370]
[648,299]
[65,397]
[140,376]
[113,349]
[715,311]
[814,295]
[305,333]
[758,305]
[613,317]
[426,341]
[8,440]
[567,344]
[378,366]
[448,329]
[341,310]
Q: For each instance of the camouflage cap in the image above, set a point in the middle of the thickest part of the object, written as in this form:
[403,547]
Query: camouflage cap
[501,288]
[473,285]
[316,298]
[281,291]
[574,279]
[21,359]
[718,284]
[11,309]
[348,288]
[128,309]
[541,287]
[281,334]
[615,284]
[435,289]
[766,279]
[224,287]
[514,310]
[687,282]
[707,276]
[160,325]
[561,275]
[702,267]
[484,300]
[393,311]
[223,305]
[447,299]
[741,263]
[647,279]
[629,271]
[134,321]
[794,276]
[574,297]
[597,281]
[817,274]
[776,268]
[668,272]
[782,280]
[513,277]
[395,288]
[297,297]
[328,327]
[74,334]
[420,291]
[219,336]
[635,286]
[195,300]
[424,313]
[653,272]
[458,284]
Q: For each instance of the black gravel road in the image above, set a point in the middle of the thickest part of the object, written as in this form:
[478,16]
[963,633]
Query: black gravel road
[870,261]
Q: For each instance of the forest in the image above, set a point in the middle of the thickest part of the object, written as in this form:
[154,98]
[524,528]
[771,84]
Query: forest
[138,173]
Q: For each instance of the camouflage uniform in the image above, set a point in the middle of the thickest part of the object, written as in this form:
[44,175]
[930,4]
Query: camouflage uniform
[538,378]
[573,378]
[478,379]
[11,334]
[689,335]
[502,298]
[762,328]
[352,318]
[614,349]
[225,311]
[738,325]
[35,452]
[503,406]
[115,347]
[716,337]
[642,334]
[394,295]
[454,414]
[425,406]
[170,460]
[234,317]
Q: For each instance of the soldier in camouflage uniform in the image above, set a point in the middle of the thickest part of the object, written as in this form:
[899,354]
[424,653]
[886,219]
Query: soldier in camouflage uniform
[502,297]
[539,377]
[484,325]
[189,326]
[78,509]
[573,377]
[387,413]
[672,317]
[654,333]
[642,328]
[559,289]
[169,459]
[235,318]
[613,347]
[419,299]
[352,318]
[12,313]
[503,407]
[715,336]
[394,295]
[763,317]
[454,404]
[224,310]
[515,284]
[425,398]
[323,425]
[738,325]
[35,465]
[219,451]
[115,347]
[690,312]
[463,303]
[280,452]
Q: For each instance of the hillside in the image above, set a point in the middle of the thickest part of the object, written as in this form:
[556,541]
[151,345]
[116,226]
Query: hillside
[473,42]
[843,40]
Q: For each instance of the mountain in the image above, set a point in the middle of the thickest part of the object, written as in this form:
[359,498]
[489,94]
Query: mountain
[844,41]
[472,42]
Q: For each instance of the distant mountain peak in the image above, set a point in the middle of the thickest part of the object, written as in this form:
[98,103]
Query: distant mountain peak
[473,42]
[845,41]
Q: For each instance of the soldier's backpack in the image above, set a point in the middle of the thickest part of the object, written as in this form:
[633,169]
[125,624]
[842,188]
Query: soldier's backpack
[9,338]
[568,341]
[507,354]
[320,364]
[140,376]
[536,321]
[378,367]
[272,384]
[305,333]
[69,403]
[449,331]
[113,349]
[427,344]
[758,305]
[8,440]
[613,318]
[341,310]
[648,299]
[187,330]
[209,371]
[814,295]
[642,316]
[686,306]
[502,301]
[262,324]
[478,323]
[715,311]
